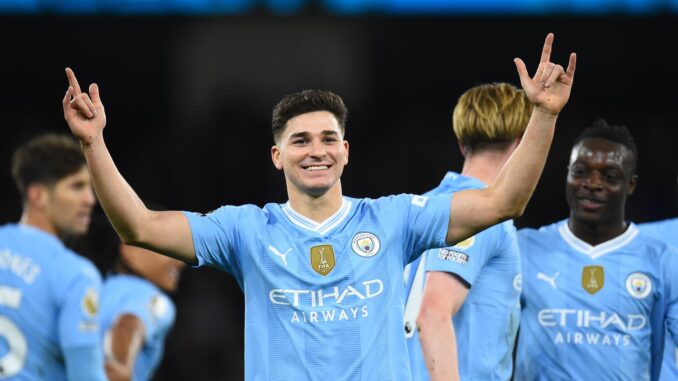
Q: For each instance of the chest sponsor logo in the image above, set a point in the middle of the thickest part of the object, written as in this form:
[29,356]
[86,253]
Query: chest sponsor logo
[593,279]
[445,254]
[365,244]
[322,259]
[638,285]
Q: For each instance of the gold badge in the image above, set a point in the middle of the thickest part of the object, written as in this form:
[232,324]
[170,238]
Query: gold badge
[322,259]
[90,303]
[465,244]
[593,278]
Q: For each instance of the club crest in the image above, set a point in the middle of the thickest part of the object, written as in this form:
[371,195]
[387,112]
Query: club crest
[593,279]
[638,285]
[365,244]
[322,259]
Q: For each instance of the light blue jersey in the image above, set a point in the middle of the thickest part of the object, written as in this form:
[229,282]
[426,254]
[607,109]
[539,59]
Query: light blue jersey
[48,306]
[595,312]
[485,326]
[128,294]
[324,301]
[666,231]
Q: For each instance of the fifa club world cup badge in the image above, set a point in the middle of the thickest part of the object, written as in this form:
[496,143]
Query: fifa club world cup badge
[593,279]
[322,259]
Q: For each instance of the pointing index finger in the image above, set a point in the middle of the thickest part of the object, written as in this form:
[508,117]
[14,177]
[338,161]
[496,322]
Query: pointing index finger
[73,81]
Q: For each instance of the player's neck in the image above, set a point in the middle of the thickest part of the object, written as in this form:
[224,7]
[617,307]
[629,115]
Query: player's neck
[37,220]
[596,233]
[317,208]
[485,166]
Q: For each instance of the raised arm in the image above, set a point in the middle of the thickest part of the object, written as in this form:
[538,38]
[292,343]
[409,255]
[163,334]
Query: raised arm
[548,90]
[164,232]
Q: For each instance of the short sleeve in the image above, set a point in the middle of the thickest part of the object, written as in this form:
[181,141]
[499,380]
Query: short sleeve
[427,222]
[78,321]
[154,309]
[215,237]
[467,258]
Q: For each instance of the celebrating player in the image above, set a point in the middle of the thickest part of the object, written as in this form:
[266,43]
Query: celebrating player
[596,293]
[321,272]
[488,121]
[48,294]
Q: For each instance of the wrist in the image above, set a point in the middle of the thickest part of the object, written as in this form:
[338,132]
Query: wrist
[544,113]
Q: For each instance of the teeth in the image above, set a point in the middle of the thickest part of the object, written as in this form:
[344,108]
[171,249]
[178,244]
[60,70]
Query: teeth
[317,168]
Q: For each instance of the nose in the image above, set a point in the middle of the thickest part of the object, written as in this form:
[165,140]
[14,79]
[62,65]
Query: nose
[593,181]
[89,197]
[317,149]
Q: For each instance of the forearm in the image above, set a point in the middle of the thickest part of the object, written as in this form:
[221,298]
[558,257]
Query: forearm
[438,343]
[518,179]
[123,207]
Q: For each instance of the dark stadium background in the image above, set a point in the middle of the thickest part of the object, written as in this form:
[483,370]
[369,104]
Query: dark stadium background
[189,101]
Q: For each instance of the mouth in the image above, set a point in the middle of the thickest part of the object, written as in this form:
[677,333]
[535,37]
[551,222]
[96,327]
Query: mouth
[316,167]
[589,203]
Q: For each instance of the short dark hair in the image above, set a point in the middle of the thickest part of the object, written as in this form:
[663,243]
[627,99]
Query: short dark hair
[46,159]
[304,102]
[618,134]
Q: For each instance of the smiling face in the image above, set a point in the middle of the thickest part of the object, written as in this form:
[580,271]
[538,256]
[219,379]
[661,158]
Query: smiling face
[312,153]
[599,179]
[68,204]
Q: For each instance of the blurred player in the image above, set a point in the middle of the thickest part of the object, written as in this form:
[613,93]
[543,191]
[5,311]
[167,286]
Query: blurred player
[136,313]
[667,231]
[488,122]
[322,273]
[596,292]
[48,294]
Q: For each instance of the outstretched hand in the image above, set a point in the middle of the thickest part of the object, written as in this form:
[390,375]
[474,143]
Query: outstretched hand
[83,112]
[550,87]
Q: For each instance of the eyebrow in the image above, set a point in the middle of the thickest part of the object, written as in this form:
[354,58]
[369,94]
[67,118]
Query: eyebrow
[304,134]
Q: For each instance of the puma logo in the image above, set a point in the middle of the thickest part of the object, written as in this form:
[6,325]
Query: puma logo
[281,255]
[547,279]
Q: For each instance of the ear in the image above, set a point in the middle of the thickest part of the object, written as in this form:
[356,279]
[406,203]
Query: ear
[345,142]
[37,196]
[461,149]
[275,157]
[632,184]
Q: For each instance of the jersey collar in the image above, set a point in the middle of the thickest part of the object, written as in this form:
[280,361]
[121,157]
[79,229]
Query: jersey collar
[318,227]
[600,249]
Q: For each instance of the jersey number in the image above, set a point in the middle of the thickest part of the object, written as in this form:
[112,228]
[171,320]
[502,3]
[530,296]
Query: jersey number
[15,358]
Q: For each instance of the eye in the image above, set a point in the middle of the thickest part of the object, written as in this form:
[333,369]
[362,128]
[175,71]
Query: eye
[577,171]
[299,141]
[330,139]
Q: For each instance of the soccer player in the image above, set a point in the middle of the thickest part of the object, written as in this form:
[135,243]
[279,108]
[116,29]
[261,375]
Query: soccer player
[597,294]
[136,313]
[48,294]
[471,290]
[667,231]
[322,273]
